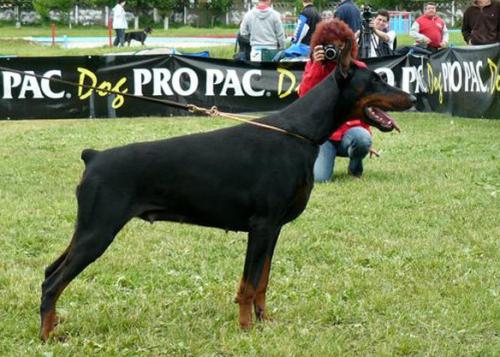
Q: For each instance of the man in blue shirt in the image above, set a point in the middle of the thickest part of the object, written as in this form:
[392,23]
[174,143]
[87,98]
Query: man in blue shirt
[306,23]
[348,12]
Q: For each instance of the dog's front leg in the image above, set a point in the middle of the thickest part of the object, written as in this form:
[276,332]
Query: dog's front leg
[260,298]
[252,291]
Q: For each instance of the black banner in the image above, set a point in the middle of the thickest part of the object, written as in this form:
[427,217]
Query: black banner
[457,81]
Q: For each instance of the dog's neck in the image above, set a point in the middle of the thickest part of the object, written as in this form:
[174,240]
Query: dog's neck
[313,116]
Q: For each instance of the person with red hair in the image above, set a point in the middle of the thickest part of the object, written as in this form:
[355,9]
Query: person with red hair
[353,139]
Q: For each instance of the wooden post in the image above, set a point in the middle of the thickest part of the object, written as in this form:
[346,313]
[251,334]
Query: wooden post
[110,31]
[53,33]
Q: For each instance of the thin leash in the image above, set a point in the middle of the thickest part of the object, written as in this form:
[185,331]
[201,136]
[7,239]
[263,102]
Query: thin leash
[211,112]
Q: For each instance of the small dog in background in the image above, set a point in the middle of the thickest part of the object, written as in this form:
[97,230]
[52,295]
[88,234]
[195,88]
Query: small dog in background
[138,35]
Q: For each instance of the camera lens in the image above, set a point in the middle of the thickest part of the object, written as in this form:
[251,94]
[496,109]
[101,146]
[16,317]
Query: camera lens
[331,52]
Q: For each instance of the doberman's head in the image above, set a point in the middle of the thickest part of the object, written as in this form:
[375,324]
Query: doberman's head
[365,95]
[148,30]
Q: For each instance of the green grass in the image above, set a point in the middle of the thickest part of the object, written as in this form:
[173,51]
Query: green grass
[23,48]
[404,261]
[12,44]
[27,31]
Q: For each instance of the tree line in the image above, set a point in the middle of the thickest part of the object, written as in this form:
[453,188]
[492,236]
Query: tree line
[220,7]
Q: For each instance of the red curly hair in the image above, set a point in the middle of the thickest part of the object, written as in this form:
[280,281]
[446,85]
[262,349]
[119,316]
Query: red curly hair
[328,31]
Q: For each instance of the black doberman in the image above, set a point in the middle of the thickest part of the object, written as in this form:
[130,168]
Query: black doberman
[138,35]
[242,178]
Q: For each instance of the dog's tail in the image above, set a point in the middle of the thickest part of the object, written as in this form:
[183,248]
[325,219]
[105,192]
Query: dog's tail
[88,155]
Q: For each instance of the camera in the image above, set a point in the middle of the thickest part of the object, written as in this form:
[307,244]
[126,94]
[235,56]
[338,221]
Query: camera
[332,53]
[367,13]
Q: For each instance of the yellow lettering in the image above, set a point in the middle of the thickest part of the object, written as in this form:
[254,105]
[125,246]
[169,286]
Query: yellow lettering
[435,83]
[285,74]
[494,76]
[104,85]
[103,89]
[119,99]
[85,73]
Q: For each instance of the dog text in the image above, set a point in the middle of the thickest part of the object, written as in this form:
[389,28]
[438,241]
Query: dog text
[89,79]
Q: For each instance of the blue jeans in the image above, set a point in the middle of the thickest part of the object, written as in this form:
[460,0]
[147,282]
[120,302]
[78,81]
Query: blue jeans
[120,38]
[355,145]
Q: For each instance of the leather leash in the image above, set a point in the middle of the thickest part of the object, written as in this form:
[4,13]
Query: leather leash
[212,112]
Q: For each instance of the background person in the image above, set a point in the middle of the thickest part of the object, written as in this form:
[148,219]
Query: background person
[262,25]
[306,23]
[119,23]
[481,23]
[326,15]
[353,139]
[429,30]
[348,12]
[381,39]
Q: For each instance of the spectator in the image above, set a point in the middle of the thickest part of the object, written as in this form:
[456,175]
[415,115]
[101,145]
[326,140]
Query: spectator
[306,23]
[381,38]
[481,24]
[119,23]
[348,12]
[262,25]
[429,30]
[353,138]
[326,15]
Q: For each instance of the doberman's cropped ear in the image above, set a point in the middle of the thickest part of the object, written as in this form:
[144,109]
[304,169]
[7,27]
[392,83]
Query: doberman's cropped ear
[345,57]
[343,76]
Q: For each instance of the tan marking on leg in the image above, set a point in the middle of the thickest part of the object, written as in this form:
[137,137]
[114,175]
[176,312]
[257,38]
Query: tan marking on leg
[50,320]
[260,299]
[245,298]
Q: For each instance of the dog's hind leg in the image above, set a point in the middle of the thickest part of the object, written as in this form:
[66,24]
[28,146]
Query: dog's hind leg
[262,239]
[85,249]
[95,231]
[52,267]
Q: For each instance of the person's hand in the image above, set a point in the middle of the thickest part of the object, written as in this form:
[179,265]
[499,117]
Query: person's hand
[443,44]
[425,40]
[318,53]
[372,24]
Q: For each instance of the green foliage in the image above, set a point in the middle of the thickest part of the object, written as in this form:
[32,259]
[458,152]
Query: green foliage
[165,7]
[220,6]
[385,4]
[44,6]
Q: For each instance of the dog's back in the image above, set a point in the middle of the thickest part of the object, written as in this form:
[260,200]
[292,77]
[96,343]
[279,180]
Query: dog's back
[252,170]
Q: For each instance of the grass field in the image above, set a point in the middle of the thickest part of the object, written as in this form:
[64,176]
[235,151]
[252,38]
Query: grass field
[404,261]
[11,42]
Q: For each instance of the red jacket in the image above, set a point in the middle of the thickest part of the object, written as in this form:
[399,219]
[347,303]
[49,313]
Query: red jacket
[314,73]
[432,28]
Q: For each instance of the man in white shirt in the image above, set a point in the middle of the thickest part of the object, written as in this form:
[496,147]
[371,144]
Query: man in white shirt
[119,23]
[381,39]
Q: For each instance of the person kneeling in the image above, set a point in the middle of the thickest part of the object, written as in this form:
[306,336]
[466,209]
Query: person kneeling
[353,139]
